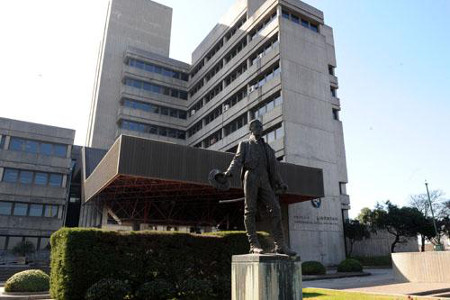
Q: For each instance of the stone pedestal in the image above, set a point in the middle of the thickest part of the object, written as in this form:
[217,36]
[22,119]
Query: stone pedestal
[266,277]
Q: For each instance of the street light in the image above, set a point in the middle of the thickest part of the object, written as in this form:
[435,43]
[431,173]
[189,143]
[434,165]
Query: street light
[439,246]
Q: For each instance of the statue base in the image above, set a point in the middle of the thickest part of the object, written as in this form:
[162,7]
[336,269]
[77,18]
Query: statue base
[266,277]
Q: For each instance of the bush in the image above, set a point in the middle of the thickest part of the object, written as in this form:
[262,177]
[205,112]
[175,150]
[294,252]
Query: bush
[110,289]
[81,256]
[313,268]
[374,260]
[28,281]
[349,265]
[158,289]
[23,248]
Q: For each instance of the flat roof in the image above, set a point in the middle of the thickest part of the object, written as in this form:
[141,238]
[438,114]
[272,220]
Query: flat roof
[144,169]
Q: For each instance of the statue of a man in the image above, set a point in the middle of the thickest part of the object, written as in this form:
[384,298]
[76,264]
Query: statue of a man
[260,179]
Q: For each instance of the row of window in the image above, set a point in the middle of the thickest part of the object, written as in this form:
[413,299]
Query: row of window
[214,92]
[149,67]
[274,133]
[28,209]
[235,73]
[263,25]
[195,128]
[236,124]
[153,129]
[39,242]
[233,100]
[213,138]
[154,88]
[264,78]
[267,106]
[236,49]
[213,115]
[296,19]
[156,109]
[266,48]
[219,45]
[36,147]
[32,177]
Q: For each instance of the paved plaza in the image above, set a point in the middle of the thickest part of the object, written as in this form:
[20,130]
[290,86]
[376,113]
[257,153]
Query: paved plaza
[382,281]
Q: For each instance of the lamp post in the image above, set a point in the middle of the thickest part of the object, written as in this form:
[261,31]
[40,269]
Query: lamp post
[439,246]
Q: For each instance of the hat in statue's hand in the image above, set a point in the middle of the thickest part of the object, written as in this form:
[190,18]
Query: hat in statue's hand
[218,180]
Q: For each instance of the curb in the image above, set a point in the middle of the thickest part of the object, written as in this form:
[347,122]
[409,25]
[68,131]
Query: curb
[335,276]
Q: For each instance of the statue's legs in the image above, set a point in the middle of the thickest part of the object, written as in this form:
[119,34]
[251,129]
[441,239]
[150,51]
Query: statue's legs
[251,186]
[272,204]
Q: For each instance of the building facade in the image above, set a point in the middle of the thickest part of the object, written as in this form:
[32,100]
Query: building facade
[273,60]
[35,164]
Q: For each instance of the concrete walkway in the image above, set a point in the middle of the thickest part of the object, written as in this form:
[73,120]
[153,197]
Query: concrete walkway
[382,281]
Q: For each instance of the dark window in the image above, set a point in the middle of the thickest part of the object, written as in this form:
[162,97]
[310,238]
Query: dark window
[16,144]
[51,211]
[45,149]
[5,208]
[40,178]
[295,19]
[26,177]
[35,210]
[20,209]
[31,147]
[335,114]
[314,28]
[305,23]
[60,150]
[10,175]
[2,141]
[285,14]
[165,111]
[55,180]
[333,92]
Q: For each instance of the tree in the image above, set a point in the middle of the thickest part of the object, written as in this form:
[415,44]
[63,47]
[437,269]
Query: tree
[364,216]
[441,209]
[400,222]
[355,231]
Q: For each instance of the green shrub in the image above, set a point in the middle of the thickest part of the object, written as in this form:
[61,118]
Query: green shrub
[111,289]
[23,248]
[158,289]
[374,260]
[194,288]
[313,268]
[82,256]
[349,265]
[28,281]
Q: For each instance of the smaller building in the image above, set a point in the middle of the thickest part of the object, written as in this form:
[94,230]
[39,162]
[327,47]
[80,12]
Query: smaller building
[35,168]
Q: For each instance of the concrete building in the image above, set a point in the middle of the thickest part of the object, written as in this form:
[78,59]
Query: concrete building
[35,164]
[273,60]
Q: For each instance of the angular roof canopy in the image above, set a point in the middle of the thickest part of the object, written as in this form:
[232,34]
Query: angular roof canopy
[137,168]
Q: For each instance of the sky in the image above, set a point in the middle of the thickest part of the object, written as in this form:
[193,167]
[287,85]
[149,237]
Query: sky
[393,67]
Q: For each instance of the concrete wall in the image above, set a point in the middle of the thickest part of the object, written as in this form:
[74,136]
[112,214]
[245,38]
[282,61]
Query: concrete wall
[313,137]
[427,267]
[379,244]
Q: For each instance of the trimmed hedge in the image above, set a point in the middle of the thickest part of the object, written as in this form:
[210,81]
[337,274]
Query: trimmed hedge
[82,257]
[350,265]
[313,268]
[28,281]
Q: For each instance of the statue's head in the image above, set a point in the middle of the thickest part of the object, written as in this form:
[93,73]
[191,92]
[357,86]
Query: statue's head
[256,127]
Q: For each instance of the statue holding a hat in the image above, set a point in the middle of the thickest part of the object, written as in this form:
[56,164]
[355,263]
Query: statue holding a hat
[261,182]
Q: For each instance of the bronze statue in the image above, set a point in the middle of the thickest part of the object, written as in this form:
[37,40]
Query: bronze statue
[261,181]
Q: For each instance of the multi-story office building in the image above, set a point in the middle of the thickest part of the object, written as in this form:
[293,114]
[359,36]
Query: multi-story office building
[273,60]
[35,164]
